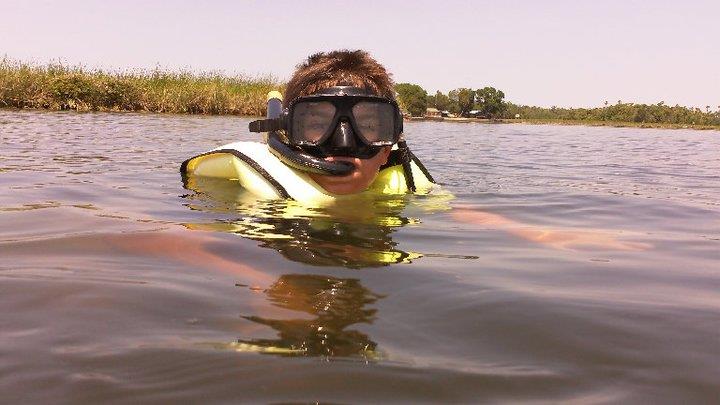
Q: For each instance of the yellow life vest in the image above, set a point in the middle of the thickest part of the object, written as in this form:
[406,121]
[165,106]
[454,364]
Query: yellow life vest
[261,173]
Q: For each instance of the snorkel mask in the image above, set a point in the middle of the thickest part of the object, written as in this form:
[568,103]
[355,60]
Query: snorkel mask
[337,121]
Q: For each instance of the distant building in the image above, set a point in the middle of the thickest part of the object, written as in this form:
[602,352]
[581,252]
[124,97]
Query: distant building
[517,116]
[432,112]
[476,114]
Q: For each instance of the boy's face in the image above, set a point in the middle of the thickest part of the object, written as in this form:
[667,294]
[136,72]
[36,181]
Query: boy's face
[366,170]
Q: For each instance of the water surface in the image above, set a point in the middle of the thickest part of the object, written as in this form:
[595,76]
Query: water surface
[118,284]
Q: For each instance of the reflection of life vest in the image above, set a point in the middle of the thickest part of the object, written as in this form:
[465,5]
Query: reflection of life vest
[264,175]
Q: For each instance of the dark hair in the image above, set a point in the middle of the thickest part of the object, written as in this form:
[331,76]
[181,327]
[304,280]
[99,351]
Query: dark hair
[339,68]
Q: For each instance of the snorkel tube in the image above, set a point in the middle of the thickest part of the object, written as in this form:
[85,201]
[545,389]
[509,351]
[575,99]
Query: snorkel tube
[294,157]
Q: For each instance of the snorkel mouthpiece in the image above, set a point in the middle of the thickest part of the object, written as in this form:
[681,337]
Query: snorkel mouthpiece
[297,159]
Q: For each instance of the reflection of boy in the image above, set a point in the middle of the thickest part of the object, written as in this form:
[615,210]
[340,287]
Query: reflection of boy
[334,304]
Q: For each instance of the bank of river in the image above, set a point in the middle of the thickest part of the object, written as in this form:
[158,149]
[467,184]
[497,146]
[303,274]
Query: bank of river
[590,123]
[120,283]
[58,87]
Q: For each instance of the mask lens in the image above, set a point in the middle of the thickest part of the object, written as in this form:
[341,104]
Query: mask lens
[375,121]
[312,120]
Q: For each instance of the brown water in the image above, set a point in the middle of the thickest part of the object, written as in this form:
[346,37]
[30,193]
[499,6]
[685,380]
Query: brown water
[117,284]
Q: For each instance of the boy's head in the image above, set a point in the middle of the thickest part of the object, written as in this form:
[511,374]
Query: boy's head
[339,68]
[323,71]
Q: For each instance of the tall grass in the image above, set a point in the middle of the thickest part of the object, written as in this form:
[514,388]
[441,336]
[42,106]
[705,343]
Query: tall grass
[61,87]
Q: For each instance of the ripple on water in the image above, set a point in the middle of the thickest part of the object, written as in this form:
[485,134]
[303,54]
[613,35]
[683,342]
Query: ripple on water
[121,285]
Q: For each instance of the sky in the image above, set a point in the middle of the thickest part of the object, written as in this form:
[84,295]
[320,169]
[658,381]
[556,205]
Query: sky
[546,53]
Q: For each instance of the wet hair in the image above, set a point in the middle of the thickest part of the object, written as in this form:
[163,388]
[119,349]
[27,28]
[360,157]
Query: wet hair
[339,68]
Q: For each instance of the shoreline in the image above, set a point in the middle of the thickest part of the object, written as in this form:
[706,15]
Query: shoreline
[57,87]
[614,124]
[588,123]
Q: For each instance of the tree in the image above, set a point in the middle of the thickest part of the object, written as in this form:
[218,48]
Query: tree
[490,102]
[439,101]
[465,99]
[453,105]
[412,98]
[430,101]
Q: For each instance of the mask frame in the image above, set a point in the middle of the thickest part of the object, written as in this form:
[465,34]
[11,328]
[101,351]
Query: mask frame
[343,99]
[310,158]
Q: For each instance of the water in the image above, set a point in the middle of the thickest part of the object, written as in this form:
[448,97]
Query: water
[574,264]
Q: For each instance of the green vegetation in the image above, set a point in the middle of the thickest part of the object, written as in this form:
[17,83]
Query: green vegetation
[412,98]
[647,114]
[464,100]
[442,102]
[619,124]
[59,87]
[489,103]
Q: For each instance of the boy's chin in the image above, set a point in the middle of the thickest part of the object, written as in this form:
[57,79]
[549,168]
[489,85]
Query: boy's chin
[349,184]
[354,182]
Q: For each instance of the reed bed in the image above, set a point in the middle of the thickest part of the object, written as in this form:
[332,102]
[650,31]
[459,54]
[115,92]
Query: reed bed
[60,87]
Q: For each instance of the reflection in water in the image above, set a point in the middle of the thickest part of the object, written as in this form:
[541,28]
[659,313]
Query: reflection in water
[335,304]
[355,233]
[324,242]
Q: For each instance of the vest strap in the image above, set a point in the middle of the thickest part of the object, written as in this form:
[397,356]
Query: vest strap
[253,164]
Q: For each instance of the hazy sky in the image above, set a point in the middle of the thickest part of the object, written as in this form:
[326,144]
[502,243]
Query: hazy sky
[564,53]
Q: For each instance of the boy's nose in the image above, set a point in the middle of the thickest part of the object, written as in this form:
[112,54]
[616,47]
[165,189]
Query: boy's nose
[344,137]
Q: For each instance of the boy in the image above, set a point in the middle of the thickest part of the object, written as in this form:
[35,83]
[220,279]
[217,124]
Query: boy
[340,126]
[337,132]
[344,68]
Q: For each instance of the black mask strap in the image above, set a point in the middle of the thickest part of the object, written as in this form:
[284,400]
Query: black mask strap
[267,125]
